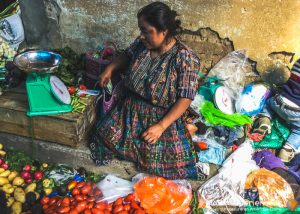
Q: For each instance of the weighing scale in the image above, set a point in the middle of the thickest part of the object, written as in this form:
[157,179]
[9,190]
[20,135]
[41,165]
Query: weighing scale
[46,94]
[220,95]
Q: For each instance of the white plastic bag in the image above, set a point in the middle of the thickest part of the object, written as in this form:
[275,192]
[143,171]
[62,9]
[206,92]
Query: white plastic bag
[232,69]
[11,29]
[113,188]
[227,187]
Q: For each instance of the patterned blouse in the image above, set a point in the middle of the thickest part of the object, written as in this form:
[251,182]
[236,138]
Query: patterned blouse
[163,79]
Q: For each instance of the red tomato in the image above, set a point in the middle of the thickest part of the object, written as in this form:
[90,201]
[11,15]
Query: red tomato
[96,192]
[86,189]
[53,200]
[90,205]
[87,211]
[66,202]
[127,207]
[101,205]
[72,90]
[134,205]
[106,211]
[129,197]
[80,184]
[118,208]
[79,198]
[75,191]
[89,183]
[139,211]
[59,202]
[81,206]
[73,211]
[90,199]
[82,87]
[45,200]
[45,206]
[123,212]
[119,201]
[65,209]
[72,199]
[97,211]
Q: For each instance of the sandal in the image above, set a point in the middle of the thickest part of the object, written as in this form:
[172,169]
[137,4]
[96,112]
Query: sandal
[287,153]
[262,126]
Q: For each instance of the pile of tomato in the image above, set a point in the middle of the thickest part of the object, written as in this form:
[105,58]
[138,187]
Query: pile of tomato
[84,199]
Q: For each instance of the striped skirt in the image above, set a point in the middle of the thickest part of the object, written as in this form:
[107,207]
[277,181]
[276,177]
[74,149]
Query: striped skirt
[119,133]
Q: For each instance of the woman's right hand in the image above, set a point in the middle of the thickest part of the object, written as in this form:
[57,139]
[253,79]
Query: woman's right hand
[105,77]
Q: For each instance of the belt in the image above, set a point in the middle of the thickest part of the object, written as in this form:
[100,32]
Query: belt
[281,102]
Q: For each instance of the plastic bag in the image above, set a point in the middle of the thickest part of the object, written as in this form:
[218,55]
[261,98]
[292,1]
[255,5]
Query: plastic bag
[214,154]
[160,196]
[227,187]
[113,188]
[274,140]
[11,29]
[216,117]
[273,190]
[196,103]
[252,99]
[233,70]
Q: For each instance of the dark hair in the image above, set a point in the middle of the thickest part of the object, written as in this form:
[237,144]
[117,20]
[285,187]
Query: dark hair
[160,16]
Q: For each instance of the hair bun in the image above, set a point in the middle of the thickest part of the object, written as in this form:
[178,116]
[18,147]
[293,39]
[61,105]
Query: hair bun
[178,23]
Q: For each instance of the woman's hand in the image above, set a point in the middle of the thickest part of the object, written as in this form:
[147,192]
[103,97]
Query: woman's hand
[153,133]
[105,77]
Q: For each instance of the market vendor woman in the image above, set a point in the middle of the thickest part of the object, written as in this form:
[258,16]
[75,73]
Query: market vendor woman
[149,125]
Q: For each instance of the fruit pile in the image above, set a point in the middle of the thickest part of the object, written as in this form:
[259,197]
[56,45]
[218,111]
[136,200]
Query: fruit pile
[86,198]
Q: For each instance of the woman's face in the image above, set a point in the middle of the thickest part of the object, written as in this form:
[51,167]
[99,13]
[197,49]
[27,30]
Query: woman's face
[150,36]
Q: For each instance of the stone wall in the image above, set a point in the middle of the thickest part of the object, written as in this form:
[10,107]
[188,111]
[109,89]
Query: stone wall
[265,28]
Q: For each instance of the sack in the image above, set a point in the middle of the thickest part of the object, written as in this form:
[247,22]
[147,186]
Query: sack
[108,101]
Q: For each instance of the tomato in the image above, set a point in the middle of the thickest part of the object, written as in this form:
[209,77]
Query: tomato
[45,200]
[72,199]
[81,206]
[79,198]
[73,211]
[59,202]
[72,184]
[118,208]
[89,183]
[64,209]
[134,205]
[75,191]
[97,211]
[85,189]
[72,90]
[66,202]
[110,206]
[106,211]
[127,207]
[101,205]
[82,87]
[80,184]
[123,212]
[129,198]
[53,200]
[87,211]
[90,199]
[45,206]
[139,211]
[119,201]
[96,192]
[90,205]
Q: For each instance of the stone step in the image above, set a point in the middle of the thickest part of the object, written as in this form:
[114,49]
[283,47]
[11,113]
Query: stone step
[80,157]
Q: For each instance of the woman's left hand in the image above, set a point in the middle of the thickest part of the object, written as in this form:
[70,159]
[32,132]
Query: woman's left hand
[153,133]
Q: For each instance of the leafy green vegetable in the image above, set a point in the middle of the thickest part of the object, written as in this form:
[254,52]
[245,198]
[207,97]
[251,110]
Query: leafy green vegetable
[194,205]
[17,159]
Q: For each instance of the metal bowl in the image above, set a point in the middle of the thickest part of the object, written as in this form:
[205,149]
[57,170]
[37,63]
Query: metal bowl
[37,61]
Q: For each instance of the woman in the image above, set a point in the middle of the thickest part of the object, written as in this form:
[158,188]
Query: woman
[149,127]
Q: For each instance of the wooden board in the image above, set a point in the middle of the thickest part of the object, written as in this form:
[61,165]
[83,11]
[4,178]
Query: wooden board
[70,129]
